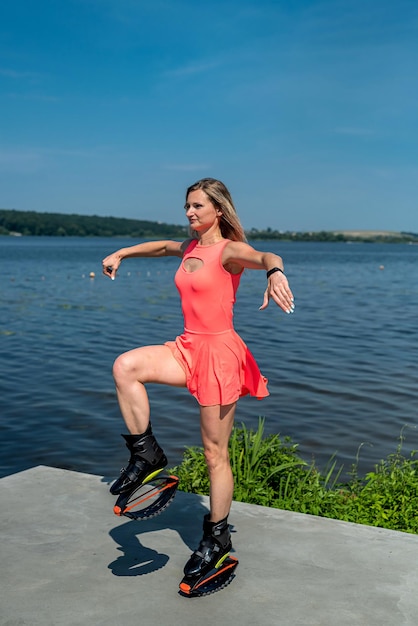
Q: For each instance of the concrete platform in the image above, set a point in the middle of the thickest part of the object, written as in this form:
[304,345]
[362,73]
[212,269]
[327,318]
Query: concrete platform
[67,560]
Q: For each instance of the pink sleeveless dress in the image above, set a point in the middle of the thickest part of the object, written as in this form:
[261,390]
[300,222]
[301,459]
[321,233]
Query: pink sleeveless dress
[218,365]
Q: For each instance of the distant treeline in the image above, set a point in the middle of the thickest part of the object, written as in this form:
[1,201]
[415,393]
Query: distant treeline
[32,223]
[64,225]
[329,235]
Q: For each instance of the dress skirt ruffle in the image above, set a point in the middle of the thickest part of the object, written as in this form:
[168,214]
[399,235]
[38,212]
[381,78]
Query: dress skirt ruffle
[219,367]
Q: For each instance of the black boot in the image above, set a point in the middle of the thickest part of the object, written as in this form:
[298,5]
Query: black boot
[147,458]
[213,548]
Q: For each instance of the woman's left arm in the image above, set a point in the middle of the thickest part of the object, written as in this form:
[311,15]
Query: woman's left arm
[245,256]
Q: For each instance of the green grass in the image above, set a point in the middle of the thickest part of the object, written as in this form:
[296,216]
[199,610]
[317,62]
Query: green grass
[269,471]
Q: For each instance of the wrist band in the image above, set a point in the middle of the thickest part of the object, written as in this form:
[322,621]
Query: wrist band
[274,269]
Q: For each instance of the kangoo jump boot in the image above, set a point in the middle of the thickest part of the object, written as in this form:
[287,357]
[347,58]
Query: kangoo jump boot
[212,551]
[146,461]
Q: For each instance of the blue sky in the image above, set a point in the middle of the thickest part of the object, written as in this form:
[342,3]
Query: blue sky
[307,110]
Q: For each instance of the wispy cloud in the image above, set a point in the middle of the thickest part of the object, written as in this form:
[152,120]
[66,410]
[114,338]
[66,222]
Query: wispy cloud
[84,153]
[359,132]
[26,160]
[357,23]
[192,69]
[187,167]
[30,76]
[39,97]
[29,82]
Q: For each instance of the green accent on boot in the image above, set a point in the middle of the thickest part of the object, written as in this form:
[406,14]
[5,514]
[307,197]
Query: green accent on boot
[151,476]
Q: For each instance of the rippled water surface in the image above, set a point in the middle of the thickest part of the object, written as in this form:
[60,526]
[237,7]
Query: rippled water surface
[342,369]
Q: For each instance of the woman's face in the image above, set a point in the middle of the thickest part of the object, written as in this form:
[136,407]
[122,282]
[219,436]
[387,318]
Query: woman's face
[200,211]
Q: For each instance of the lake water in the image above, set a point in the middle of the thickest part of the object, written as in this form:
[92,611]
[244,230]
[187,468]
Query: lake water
[342,369]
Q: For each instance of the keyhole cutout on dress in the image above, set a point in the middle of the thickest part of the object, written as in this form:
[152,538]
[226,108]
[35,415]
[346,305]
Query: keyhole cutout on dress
[192,264]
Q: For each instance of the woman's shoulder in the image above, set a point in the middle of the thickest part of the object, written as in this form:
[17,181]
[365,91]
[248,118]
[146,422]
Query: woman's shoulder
[188,244]
[236,247]
[230,252]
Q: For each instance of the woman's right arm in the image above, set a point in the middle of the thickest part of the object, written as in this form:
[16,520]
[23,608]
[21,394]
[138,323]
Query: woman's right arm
[147,249]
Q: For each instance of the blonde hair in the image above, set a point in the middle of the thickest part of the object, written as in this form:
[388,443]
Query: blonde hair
[230,225]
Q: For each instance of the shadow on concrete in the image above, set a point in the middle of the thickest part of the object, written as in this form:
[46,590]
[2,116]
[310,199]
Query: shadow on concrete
[184,516]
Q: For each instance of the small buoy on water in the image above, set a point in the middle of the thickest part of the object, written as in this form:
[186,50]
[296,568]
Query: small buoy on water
[92,275]
[381,267]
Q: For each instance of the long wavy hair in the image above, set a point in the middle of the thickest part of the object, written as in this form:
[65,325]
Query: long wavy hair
[230,225]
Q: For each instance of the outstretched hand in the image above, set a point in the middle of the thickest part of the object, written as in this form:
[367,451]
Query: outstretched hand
[111,265]
[278,289]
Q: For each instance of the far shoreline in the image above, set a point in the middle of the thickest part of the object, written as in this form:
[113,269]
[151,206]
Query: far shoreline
[294,237]
[15,223]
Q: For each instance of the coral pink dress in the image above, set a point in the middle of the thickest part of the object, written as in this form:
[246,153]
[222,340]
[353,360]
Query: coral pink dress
[218,365]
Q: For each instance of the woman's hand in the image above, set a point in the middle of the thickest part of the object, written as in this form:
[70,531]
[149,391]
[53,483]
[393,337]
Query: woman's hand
[278,289]
[111,265]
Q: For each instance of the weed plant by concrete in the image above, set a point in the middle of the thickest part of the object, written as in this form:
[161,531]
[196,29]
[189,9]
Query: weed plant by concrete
[269,471]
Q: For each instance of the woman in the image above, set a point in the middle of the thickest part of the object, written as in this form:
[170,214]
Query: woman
[209,358]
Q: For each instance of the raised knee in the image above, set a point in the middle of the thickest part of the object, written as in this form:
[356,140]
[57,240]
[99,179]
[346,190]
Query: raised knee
[124,367]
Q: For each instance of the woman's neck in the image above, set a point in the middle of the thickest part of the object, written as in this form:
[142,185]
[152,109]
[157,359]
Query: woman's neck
[210,237]
[210,242]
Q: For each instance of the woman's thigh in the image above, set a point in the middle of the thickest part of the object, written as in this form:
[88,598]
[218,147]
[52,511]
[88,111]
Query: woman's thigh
[150,364]
[216,424]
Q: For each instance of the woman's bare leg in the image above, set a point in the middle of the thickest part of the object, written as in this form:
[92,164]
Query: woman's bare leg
[151,364]
[216,424]
[132,370]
